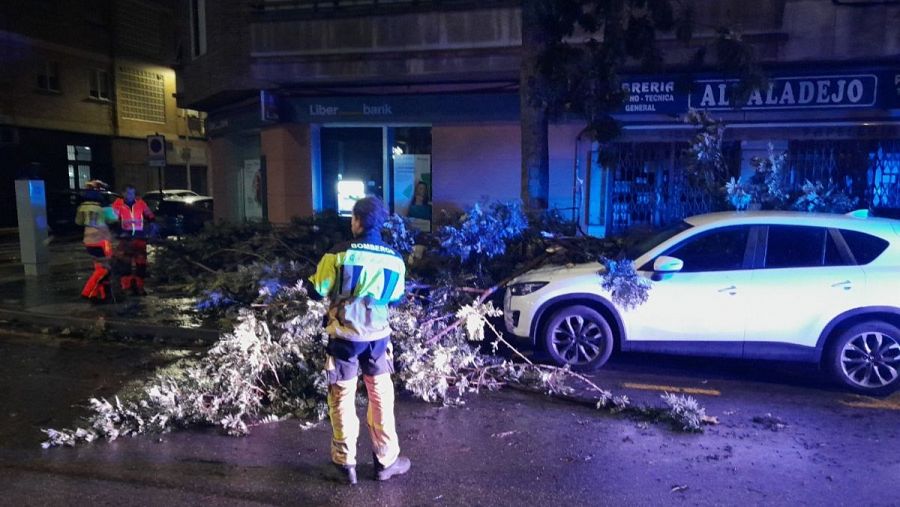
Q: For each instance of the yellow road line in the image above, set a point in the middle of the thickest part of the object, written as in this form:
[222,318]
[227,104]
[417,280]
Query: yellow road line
[672,389]
[892,402]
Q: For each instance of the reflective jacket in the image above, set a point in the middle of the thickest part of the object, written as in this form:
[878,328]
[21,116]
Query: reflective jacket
[96,220]
[361,277]
[132,217]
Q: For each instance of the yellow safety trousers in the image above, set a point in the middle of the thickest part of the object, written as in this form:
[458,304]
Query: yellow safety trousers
[380,417]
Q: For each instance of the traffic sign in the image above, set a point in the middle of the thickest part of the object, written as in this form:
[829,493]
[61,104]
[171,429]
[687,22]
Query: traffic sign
[156,150]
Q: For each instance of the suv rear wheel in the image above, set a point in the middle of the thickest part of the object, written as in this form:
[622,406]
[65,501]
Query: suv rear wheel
[578,336]
[866,358]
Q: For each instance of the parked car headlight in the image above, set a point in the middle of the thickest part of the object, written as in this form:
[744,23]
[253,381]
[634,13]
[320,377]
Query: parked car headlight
[523,289]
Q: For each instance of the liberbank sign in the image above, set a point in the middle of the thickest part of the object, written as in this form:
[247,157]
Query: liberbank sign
[784,91]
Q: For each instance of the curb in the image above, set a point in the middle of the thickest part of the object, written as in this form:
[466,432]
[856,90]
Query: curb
[173,335]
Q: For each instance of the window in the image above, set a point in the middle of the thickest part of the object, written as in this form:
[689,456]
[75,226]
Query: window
[865,247]
[198,28]
[48,77]
[79,166]
[99,84]
[795,247]
[719,250]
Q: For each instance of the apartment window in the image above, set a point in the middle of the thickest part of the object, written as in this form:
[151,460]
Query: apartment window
[79,165]
[198,28]
[48,77]
[99,84]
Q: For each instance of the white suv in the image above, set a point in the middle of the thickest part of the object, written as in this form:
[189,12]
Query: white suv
[772,285]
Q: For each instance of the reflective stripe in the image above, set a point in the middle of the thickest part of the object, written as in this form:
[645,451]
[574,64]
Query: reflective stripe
[390,283]
[349,279]
[132,217]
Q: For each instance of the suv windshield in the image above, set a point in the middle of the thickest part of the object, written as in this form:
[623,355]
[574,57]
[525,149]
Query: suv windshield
[640,245]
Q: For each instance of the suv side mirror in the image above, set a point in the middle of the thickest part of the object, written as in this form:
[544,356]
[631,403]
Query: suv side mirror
[666,264]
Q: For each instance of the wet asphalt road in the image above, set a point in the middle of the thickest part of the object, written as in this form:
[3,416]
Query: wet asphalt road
[505,448]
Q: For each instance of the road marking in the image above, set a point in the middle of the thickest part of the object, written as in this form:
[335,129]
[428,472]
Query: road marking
[672,389]
[892,402]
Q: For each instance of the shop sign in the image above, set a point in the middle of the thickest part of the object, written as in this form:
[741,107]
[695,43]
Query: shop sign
[457,107]
[381,109]
[802,92]
[653,95]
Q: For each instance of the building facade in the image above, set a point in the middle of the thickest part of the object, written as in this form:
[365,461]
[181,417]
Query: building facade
[313,102]
[82,86]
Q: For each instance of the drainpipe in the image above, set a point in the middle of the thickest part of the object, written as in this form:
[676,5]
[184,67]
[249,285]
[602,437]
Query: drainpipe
[111,74]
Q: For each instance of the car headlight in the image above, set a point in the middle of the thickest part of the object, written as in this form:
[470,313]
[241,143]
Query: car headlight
[523,289]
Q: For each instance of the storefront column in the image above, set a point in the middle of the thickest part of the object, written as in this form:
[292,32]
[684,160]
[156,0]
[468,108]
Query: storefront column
[288,152]
[222,160]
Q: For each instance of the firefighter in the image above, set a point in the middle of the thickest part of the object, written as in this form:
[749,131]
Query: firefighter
[131,252]
[95,217]
[361,278]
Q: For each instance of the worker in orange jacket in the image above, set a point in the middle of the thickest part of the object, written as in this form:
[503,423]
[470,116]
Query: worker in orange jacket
[95,218]
[131,252]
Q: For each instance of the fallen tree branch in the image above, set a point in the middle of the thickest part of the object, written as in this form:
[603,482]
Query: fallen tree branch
[235,250]
[485,294]
[291,251]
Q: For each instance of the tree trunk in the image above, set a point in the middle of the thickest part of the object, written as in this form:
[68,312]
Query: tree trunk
[533,114]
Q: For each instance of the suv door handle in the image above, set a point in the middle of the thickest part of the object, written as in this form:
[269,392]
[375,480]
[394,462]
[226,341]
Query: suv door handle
[730,290]
[846,284]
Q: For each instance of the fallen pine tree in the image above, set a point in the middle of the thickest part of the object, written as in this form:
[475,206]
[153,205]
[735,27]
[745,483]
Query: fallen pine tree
[270,365]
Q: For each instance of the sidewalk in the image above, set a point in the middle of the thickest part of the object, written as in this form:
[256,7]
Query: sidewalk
[53,300]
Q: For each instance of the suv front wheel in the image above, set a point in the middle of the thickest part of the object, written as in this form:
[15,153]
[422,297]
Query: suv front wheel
[578,336]
[866,358]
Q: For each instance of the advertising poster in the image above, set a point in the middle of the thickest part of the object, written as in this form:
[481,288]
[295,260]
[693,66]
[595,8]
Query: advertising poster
[252,190]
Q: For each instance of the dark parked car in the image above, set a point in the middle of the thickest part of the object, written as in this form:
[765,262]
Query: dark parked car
[183,216]
[153,198]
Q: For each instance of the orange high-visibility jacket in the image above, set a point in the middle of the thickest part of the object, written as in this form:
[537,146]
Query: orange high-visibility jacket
[132,217]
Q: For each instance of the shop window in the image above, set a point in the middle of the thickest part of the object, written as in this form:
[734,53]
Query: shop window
[411,161]
[48,77]
[884,173]
[352,160]
[869,170]
[644,186]
[392,163]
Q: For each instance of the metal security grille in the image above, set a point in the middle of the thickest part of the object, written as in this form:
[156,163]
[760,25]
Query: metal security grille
[869,170]
[141,95]
[649,187]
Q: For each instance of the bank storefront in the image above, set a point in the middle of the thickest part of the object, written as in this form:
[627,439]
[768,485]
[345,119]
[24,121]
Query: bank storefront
[426,152]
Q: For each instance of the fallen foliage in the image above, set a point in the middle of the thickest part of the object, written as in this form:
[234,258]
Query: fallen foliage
[270,364]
